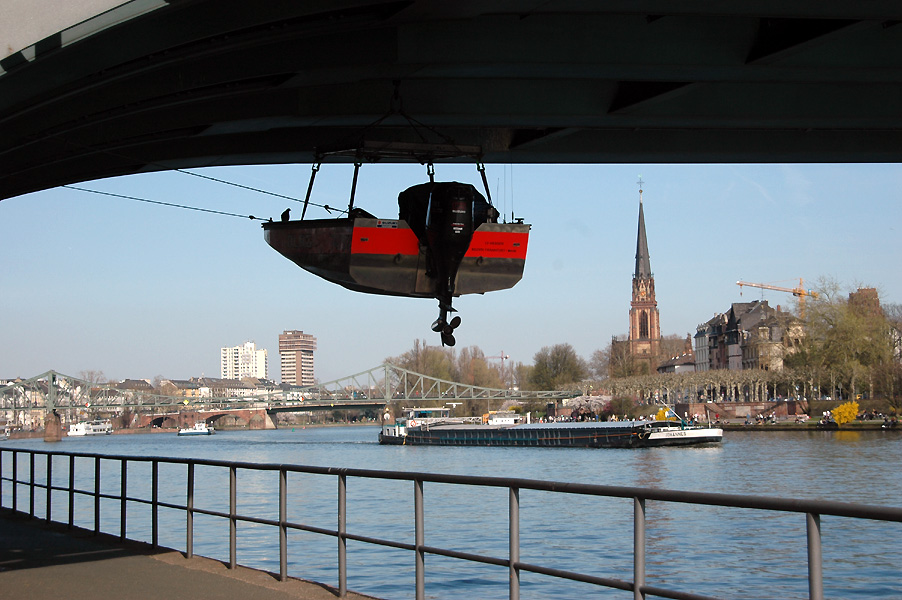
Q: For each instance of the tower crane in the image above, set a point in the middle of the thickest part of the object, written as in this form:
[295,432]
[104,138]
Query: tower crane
[503,357]
[799,292]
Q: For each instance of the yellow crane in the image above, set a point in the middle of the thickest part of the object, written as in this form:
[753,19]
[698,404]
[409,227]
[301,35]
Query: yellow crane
[799,292]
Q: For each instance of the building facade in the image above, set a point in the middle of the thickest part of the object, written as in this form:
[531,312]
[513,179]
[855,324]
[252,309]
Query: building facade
[296,357]
[751,335]
[243,361]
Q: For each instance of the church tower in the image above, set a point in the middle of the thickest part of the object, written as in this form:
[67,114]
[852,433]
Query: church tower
[645,328]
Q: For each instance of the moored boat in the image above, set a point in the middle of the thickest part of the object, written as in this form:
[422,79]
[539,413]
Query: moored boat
[199,428]
[95,427]
[436,427]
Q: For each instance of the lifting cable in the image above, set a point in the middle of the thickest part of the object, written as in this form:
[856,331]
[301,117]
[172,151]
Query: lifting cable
[238,185]
[353,187]
[207,210]
[207,177]
[306,200]
[488,194]
[316,167]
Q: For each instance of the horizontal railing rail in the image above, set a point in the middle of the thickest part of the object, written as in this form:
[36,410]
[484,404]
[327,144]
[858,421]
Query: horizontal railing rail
[813,510]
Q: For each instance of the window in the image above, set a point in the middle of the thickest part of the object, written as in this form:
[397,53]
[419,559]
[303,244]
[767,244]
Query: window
[643,325]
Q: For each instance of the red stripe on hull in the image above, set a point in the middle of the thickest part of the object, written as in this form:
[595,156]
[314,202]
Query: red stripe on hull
[488,244]
[384,240]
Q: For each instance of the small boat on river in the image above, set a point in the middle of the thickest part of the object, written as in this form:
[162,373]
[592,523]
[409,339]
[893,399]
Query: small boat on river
[199,428]
[95,427]
[436,427]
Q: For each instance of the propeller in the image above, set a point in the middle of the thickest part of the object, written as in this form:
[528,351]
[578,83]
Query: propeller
[448,332]
[446,329]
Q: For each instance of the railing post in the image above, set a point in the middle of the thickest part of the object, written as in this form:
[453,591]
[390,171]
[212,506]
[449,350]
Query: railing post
[233,521]
[71,491]
[342,541]
[638,548]
[96,495]
[123,479]
[49,485]
[154,507]
[189,513]
[14,479]
[1,479]
[514,511]
[31,486]
[419,538]
[815,572]
[283,519]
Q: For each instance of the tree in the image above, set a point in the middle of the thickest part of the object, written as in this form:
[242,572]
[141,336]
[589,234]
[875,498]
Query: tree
[674,345]
[432,361]
[469,365]
[848,342]
[615,361]
[474,369]
[93,377]
[557,366]
[891,374]
[621,406]
[521,375]
[598,364]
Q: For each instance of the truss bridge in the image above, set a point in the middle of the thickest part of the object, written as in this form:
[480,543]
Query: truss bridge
[23,402]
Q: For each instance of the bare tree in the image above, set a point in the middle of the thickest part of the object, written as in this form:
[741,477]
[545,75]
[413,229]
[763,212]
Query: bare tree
[93,377]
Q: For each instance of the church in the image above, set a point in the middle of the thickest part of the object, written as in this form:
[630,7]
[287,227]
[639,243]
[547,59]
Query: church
[642,346]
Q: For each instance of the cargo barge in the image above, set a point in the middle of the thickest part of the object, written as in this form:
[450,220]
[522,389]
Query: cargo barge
[435,427]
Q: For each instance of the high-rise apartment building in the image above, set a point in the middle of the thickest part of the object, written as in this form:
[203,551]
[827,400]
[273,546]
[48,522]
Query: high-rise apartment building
[243,361]
[296,357]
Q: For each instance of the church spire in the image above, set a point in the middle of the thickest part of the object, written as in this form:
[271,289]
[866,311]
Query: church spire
[645,327]
[643,266]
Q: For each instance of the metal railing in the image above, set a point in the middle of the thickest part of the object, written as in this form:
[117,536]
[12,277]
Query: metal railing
[811,509]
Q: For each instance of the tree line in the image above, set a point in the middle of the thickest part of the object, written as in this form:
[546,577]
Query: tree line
[848,350]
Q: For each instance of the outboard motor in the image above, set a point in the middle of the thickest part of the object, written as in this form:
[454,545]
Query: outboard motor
[449,229]
[453,211]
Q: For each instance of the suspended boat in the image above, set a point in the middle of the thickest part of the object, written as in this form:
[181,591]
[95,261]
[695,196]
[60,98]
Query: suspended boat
[446,242]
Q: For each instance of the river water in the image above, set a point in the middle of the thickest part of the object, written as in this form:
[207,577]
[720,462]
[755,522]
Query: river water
[728,553]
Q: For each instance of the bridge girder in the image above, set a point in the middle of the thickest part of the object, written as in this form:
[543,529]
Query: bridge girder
[224,82]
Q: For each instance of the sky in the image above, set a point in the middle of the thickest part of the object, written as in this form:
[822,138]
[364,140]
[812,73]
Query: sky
[138,290]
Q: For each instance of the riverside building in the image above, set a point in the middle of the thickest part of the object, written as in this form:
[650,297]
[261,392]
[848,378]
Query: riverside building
[243,361]
[296,357]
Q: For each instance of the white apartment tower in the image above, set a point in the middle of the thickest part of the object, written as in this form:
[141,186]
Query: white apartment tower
[243,361]
[296,357]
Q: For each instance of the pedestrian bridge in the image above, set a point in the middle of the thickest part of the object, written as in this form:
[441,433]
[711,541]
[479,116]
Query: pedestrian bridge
[374,387]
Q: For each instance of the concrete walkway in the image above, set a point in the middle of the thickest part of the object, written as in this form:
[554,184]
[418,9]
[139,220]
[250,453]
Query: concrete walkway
[49,562]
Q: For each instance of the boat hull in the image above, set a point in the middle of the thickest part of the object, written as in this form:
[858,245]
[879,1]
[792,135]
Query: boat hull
[558,435]
[384,256]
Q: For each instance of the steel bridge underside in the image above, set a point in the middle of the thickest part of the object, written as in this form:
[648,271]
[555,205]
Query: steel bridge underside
[155,85]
